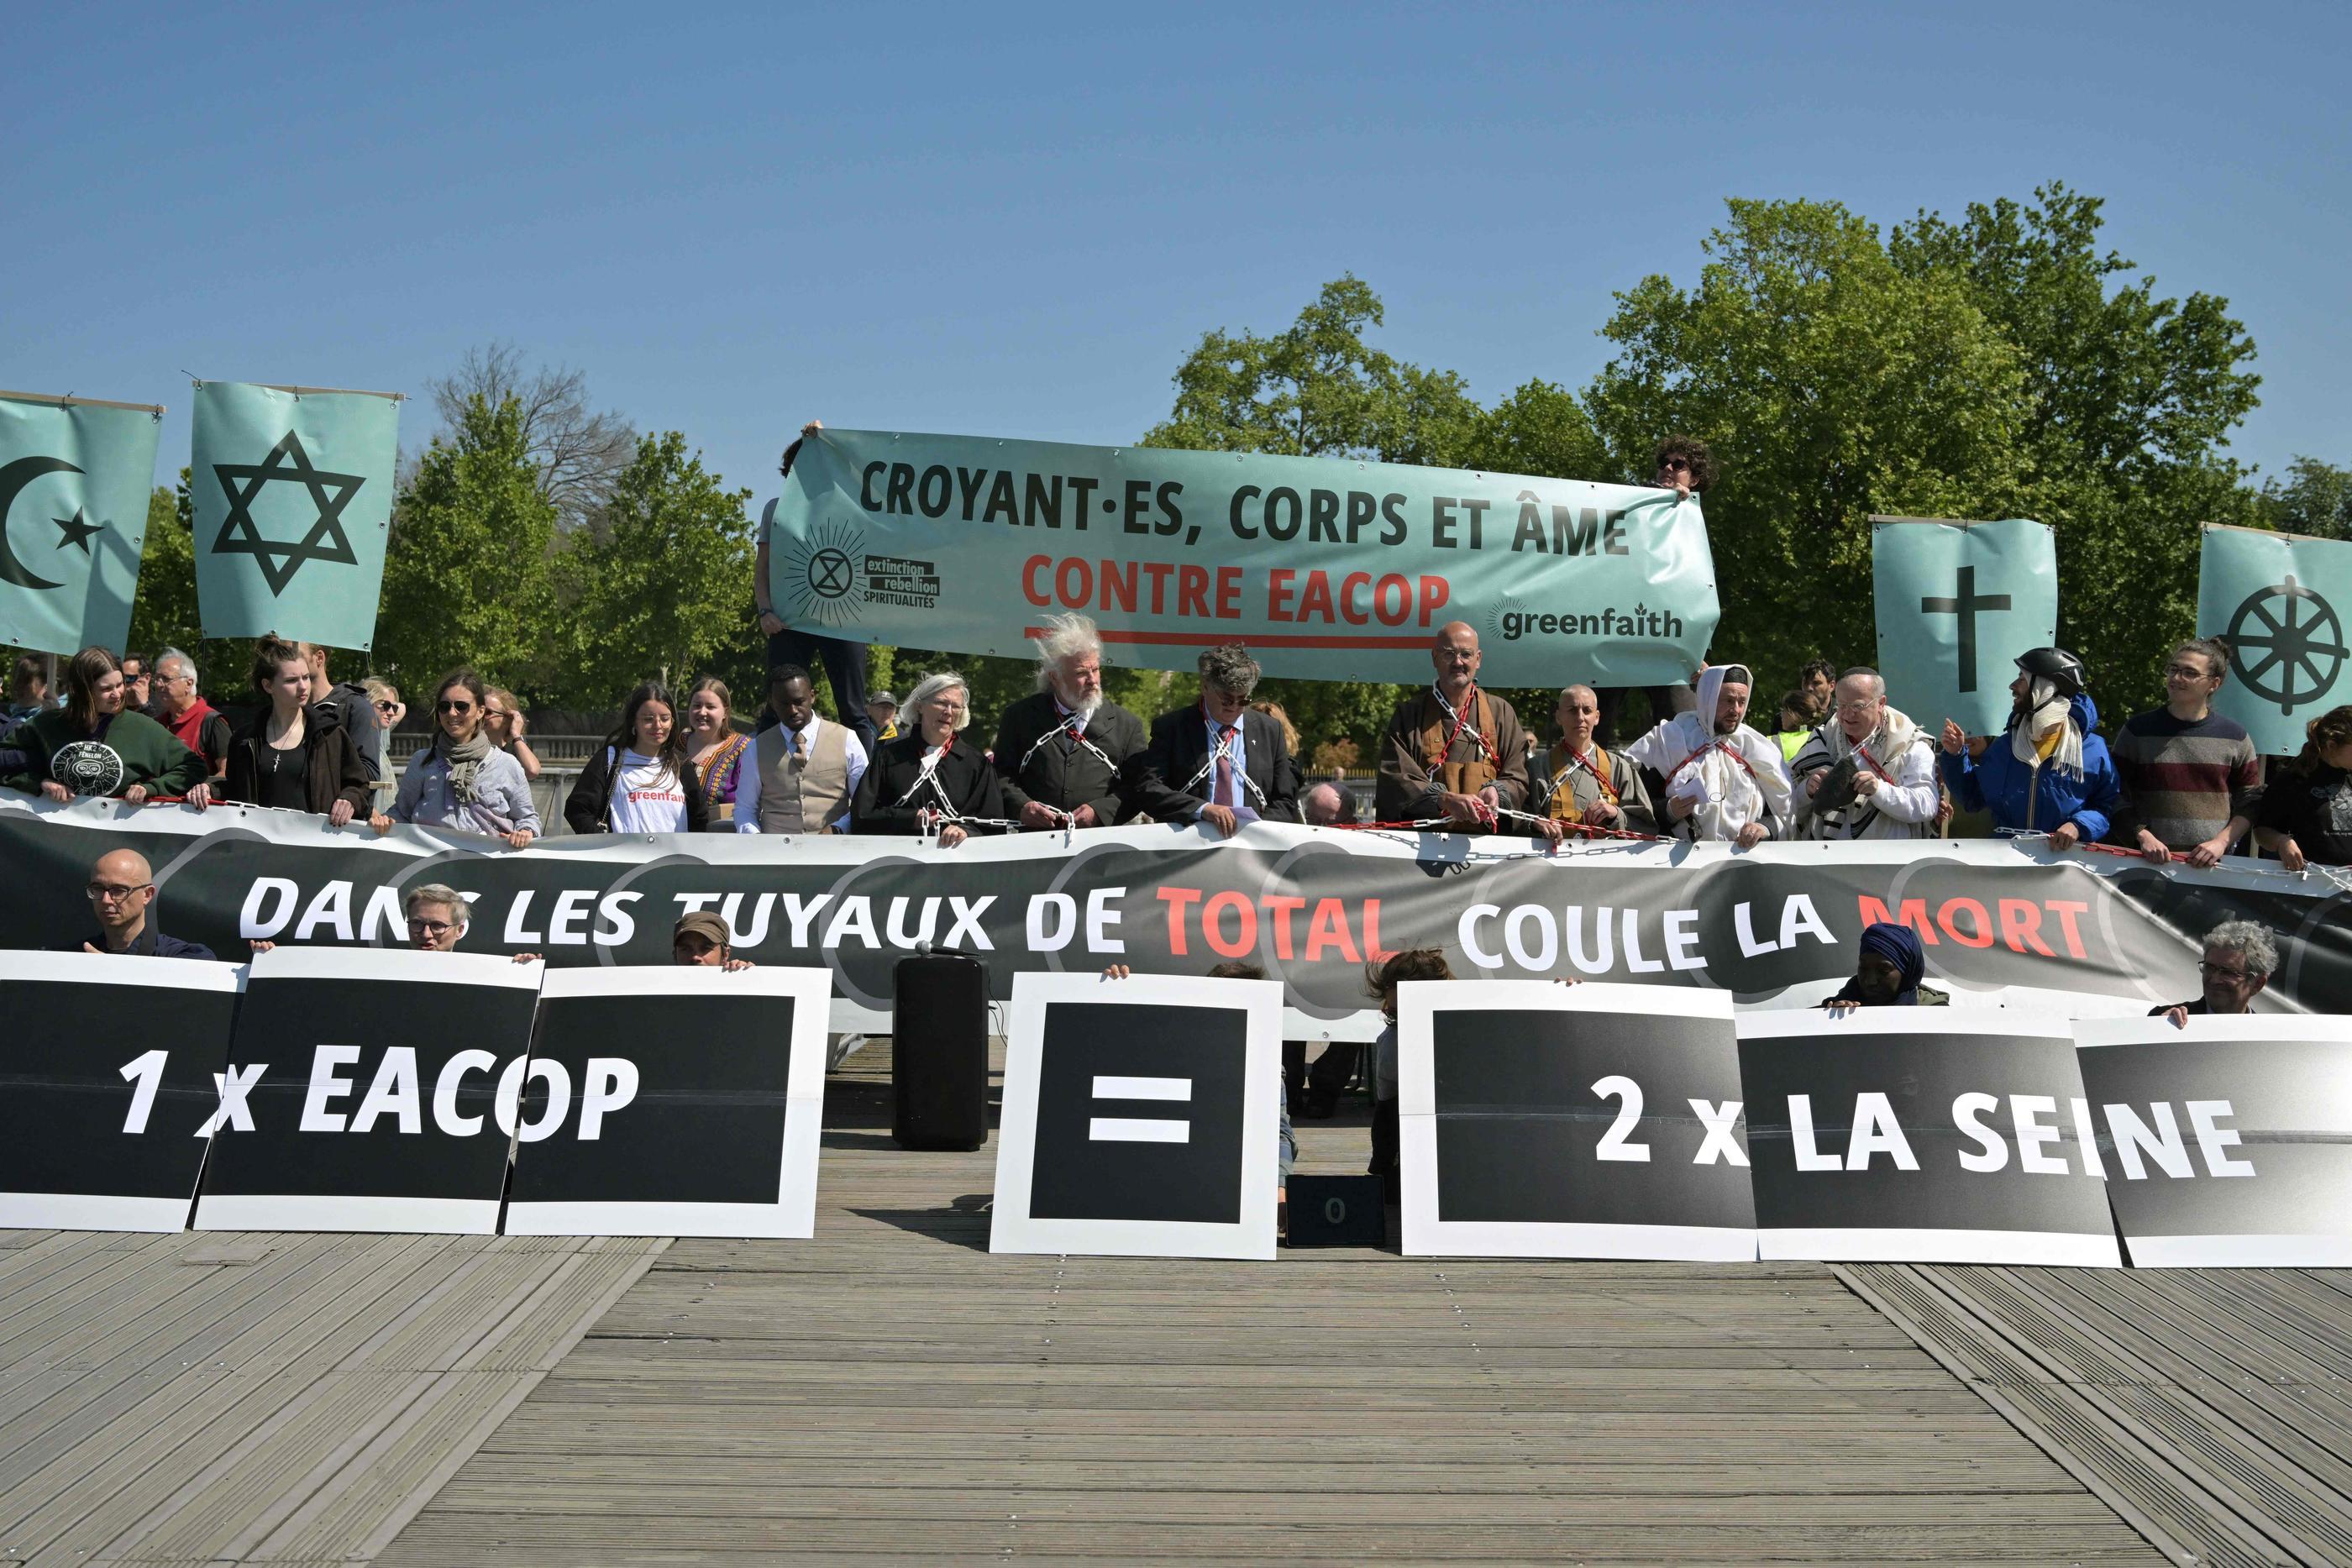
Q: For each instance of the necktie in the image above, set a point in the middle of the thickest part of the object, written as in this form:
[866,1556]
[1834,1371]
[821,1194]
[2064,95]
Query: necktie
[795,748]
[1224,791]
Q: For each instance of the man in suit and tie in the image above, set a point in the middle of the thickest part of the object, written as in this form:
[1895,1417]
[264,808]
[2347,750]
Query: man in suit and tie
[1059,751]
[1216,762]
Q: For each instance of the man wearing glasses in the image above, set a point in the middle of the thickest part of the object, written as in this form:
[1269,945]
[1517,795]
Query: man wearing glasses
[2238,959]
[192,721]
[436,919]
[121,894]
[2193,781]
[1869,772]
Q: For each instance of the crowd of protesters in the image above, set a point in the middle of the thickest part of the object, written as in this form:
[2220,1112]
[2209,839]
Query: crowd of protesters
[1838,761]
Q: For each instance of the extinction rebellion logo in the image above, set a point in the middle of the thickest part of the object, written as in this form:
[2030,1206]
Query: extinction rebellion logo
[832,579]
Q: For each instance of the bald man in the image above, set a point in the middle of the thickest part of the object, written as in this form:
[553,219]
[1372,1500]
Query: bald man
[122,896]
[1452,751]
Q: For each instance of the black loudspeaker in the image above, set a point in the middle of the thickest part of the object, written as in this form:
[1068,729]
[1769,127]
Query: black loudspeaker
[938,1052]
[1337,1211]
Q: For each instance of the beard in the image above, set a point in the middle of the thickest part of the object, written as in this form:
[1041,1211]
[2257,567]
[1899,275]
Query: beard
[1084,710]
[1727,727]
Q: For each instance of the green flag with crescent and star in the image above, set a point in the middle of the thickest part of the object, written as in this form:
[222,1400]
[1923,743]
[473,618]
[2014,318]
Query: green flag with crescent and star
[74,478]
[1958,603]
[292,489]
[2281,601]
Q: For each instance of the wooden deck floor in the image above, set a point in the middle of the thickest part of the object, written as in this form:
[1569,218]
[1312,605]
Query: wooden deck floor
[890,1390]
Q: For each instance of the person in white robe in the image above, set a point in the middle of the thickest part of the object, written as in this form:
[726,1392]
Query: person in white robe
[1720,782]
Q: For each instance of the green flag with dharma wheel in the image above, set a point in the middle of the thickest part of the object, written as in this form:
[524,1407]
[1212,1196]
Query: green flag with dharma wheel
[2280,601]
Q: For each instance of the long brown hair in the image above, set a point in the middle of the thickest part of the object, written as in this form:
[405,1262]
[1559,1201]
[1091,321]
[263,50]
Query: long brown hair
[473,685]
[89,667]
[269,653]
[710,684]
[625,739]
[2328,731]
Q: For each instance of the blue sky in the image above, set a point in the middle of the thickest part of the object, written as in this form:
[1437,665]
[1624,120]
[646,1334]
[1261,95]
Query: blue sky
[1014,221]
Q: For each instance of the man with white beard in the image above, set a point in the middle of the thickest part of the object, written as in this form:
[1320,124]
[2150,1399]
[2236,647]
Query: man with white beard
[1868,772]
[1059,750]
[1718,780]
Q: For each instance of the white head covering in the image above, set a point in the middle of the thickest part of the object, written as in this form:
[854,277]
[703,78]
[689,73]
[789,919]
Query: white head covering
[1735,779]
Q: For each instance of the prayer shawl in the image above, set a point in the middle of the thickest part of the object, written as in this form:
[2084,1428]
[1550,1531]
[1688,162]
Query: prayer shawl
[1904,805]
[1736,779]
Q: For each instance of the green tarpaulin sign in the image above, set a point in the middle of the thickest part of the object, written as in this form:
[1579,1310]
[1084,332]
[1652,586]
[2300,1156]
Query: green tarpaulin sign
[292,489]
[1958,603]
[1329,569]
[2280,601]
[74,478]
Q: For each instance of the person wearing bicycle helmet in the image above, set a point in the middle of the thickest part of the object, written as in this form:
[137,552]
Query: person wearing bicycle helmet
[2047,772]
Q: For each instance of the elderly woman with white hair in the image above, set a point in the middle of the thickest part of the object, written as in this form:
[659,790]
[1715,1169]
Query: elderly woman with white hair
[930,777]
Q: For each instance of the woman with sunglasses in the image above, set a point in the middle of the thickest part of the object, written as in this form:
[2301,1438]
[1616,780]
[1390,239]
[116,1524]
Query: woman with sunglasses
[639,780]
[502,721]
[384,697]
[715,749]
[461,780]
[282,757]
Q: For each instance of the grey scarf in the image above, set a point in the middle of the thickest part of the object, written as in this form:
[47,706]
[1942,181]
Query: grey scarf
[464,760]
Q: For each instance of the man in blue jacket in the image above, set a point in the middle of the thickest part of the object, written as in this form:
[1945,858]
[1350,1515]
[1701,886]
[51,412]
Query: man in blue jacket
[2049,772]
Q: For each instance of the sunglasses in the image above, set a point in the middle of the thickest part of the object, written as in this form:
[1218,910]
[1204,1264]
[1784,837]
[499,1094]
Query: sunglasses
[387,708]
[456,707]
[1674,465]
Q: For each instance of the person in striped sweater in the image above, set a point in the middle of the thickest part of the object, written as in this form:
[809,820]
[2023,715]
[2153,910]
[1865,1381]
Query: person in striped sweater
[2192,778]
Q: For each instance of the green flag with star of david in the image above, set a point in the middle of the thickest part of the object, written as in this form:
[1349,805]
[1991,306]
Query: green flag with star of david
[292,487]
[74,477]
[2282,602]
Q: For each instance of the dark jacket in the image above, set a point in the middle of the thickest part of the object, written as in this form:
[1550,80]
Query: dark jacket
[149,943]
[587,808]
[151,755]
[348,707]
[965,776]
[1057,773]
[332,768]
[2024,799]
[1159,779]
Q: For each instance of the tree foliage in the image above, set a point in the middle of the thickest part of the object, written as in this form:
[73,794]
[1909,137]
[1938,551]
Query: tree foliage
[468,575]
[163,610]
[1830,385]
[2314,498]
[577,450]
[659,589]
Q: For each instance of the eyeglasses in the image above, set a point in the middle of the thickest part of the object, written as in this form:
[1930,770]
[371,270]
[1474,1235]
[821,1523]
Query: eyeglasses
[456,707]
[1867,706]
[2215,972]
[429,927]
[2185,672]
[1674,465]
[107,891]
[182,680]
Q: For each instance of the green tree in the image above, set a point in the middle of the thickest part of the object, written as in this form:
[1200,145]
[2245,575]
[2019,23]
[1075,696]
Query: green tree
[660,587]
[1317,390]
[2131,401]
[468,577]
[1831,385]
[2316,499]
[164,611]
[1539,429]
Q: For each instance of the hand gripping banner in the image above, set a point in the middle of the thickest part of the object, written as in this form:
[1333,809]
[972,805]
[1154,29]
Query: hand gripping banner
[1327,568]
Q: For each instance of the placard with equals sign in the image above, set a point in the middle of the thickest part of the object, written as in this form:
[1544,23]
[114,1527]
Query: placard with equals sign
[1140,1129]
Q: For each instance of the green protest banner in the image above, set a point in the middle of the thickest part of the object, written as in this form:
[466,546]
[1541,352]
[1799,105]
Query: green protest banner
[1329,569]
[2279,600]
[293,502]
[73,476]
[1956,604]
